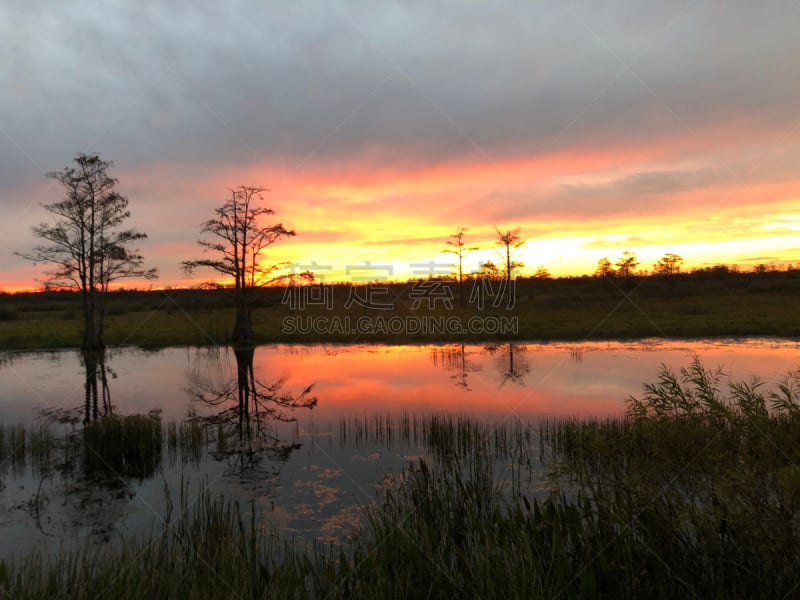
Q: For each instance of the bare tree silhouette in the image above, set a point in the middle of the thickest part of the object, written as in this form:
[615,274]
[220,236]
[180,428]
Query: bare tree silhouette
[458,247]
[508,241]
[238,238]
[85,246]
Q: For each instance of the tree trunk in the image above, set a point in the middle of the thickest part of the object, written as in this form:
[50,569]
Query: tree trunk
[100,313]
[508,274]
[243,325]
[89,331]
[460,281]
[92,334]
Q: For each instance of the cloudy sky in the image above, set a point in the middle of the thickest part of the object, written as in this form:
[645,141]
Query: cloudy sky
[382,127]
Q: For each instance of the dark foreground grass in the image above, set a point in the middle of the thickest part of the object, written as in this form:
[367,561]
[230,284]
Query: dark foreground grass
[695,494]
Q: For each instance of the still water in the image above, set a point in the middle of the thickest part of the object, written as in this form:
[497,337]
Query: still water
[309,434]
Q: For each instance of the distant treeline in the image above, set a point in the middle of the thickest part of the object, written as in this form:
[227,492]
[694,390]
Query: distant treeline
[720,279]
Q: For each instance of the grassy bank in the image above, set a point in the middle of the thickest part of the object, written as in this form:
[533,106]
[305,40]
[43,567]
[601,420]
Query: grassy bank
[695,494]
[687,306]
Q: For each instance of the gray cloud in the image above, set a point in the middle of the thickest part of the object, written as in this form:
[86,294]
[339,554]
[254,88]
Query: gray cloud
[207,82]
[646,184]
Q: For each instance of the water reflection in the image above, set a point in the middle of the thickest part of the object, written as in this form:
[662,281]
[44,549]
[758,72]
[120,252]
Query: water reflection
[590,378]
[454,358]
[110,449]
[99,469]
[86,461]
[244,411]
[511,362]
[97,391]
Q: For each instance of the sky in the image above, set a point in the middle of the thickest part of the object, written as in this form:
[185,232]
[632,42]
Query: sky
[380,128]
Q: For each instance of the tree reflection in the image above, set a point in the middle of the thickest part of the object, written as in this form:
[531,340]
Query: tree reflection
[246,412]
[97,394]
[454,358]
[92,465]
[110,449]
[511,361]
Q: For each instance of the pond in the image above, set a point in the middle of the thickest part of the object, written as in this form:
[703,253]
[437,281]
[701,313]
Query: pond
[306,433]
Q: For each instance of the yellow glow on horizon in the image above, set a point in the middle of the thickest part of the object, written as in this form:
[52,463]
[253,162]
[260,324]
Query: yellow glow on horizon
[360,215]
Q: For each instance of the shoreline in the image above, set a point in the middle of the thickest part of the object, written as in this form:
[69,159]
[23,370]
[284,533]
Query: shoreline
[654,340]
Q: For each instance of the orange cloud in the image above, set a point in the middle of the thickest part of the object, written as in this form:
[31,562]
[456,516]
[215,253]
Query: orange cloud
[717,196]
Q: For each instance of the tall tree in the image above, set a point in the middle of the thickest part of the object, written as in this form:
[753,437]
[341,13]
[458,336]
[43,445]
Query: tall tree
[669,264]
[238,237]
[85,246]
[508,241]
[626,264]
[458,247]
[604,268]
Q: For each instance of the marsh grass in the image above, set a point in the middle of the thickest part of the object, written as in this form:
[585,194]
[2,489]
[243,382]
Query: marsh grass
[215,552]
[186,441]
[23,446]
[703,304]
[456,436]
[707,480]
[695,493]
[129,446]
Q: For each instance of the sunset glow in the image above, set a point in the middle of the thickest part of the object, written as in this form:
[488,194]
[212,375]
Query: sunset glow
[380,133]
